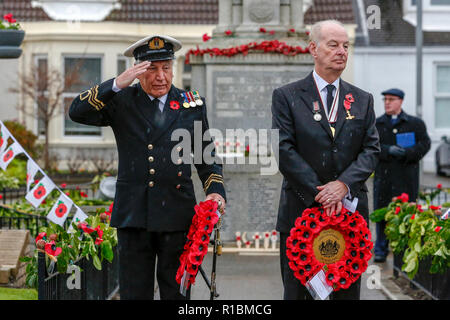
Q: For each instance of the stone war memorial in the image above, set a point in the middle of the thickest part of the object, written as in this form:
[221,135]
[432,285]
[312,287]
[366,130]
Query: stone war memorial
[257,46]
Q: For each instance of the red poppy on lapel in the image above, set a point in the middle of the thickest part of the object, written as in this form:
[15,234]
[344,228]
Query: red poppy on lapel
[174,105]
[350,98]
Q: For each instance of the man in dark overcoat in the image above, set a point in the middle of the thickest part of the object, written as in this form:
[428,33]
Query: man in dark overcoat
[404,142]
[154,201]
[328,144]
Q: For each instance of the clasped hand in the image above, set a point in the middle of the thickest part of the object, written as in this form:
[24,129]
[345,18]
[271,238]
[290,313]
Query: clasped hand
[331,195]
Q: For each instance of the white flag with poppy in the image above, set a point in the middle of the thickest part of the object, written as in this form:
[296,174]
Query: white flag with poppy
[80,216]
[9,154]
[4,135]
[40,191]
[32,169]
[60,210]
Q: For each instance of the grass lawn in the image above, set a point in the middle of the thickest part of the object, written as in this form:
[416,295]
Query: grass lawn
[17,294]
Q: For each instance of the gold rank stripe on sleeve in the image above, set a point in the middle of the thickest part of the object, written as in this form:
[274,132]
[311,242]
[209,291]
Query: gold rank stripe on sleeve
[212,178]
[91,95]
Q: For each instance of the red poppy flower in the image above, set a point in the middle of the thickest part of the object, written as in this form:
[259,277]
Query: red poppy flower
[439,186]
[206,37]
[272,32]
[350,98]
[85,227]
[63,185]
[292,30]
[201,237]
[438,228]
[40,236]
[413,216]
[332,275]
[98,241]
[397,210]
[52,249]
[228,32]
[84,195]
[404,197]
[111,207]
[174,105]
[435,207]
[263,30]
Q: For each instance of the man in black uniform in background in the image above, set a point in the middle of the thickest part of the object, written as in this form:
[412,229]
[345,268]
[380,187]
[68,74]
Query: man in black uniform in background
[154,202]
[404,141]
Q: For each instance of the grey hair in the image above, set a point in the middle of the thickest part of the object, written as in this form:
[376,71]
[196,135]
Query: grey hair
[315,34]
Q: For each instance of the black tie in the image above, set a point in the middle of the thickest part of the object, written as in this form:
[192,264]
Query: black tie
[158,115]
[330,97]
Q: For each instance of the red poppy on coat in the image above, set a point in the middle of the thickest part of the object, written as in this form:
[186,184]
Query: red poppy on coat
[174,105]
[350,98]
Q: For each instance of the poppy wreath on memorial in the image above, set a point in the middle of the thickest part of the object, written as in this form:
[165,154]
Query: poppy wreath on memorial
[340,244]
[196,247]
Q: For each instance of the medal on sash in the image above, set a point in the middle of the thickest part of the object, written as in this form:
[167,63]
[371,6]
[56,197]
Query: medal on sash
[191,99]
[198,99]
[186,100]
[317,116]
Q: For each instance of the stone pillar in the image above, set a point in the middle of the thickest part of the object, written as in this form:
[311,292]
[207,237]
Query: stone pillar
[285,12]
[237,12]
[225,14]
[297,14]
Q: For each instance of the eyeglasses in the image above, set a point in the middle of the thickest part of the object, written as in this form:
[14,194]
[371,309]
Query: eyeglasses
[390,99]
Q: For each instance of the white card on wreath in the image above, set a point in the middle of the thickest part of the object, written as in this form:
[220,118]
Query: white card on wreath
[318,286]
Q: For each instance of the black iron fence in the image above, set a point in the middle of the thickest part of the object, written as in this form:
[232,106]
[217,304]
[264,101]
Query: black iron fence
[437,286]
[92,284]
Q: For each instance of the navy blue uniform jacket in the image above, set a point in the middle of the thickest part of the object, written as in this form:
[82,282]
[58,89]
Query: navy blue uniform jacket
[152,191]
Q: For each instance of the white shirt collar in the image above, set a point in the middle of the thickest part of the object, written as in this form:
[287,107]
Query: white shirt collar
[162,99]
[321,83]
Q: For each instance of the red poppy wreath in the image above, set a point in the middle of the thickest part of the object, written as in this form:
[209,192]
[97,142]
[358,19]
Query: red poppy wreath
[198,236]
[341,244]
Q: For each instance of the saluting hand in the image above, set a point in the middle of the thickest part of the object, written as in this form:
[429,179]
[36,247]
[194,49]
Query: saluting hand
[128,76]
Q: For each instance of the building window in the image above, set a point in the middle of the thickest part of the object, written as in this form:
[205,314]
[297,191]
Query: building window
[123,64]
[442,112]
[80,74]
[186,75]
[41,65]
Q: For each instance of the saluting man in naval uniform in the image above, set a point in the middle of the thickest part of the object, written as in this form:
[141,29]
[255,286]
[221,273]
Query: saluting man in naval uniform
[154,201]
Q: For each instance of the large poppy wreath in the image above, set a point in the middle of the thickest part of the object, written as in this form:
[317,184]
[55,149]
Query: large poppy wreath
[341,244]
[198,236]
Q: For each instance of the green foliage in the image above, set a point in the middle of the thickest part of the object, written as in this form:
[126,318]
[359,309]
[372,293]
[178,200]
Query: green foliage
[17,169]
[7,182]
[26,138]
[18,294]
[418,233]
[76,245]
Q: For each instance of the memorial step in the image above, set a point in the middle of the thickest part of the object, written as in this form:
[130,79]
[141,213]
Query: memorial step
[13,245]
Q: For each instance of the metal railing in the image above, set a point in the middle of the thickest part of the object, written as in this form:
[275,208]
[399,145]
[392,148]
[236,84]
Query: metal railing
[93,284]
